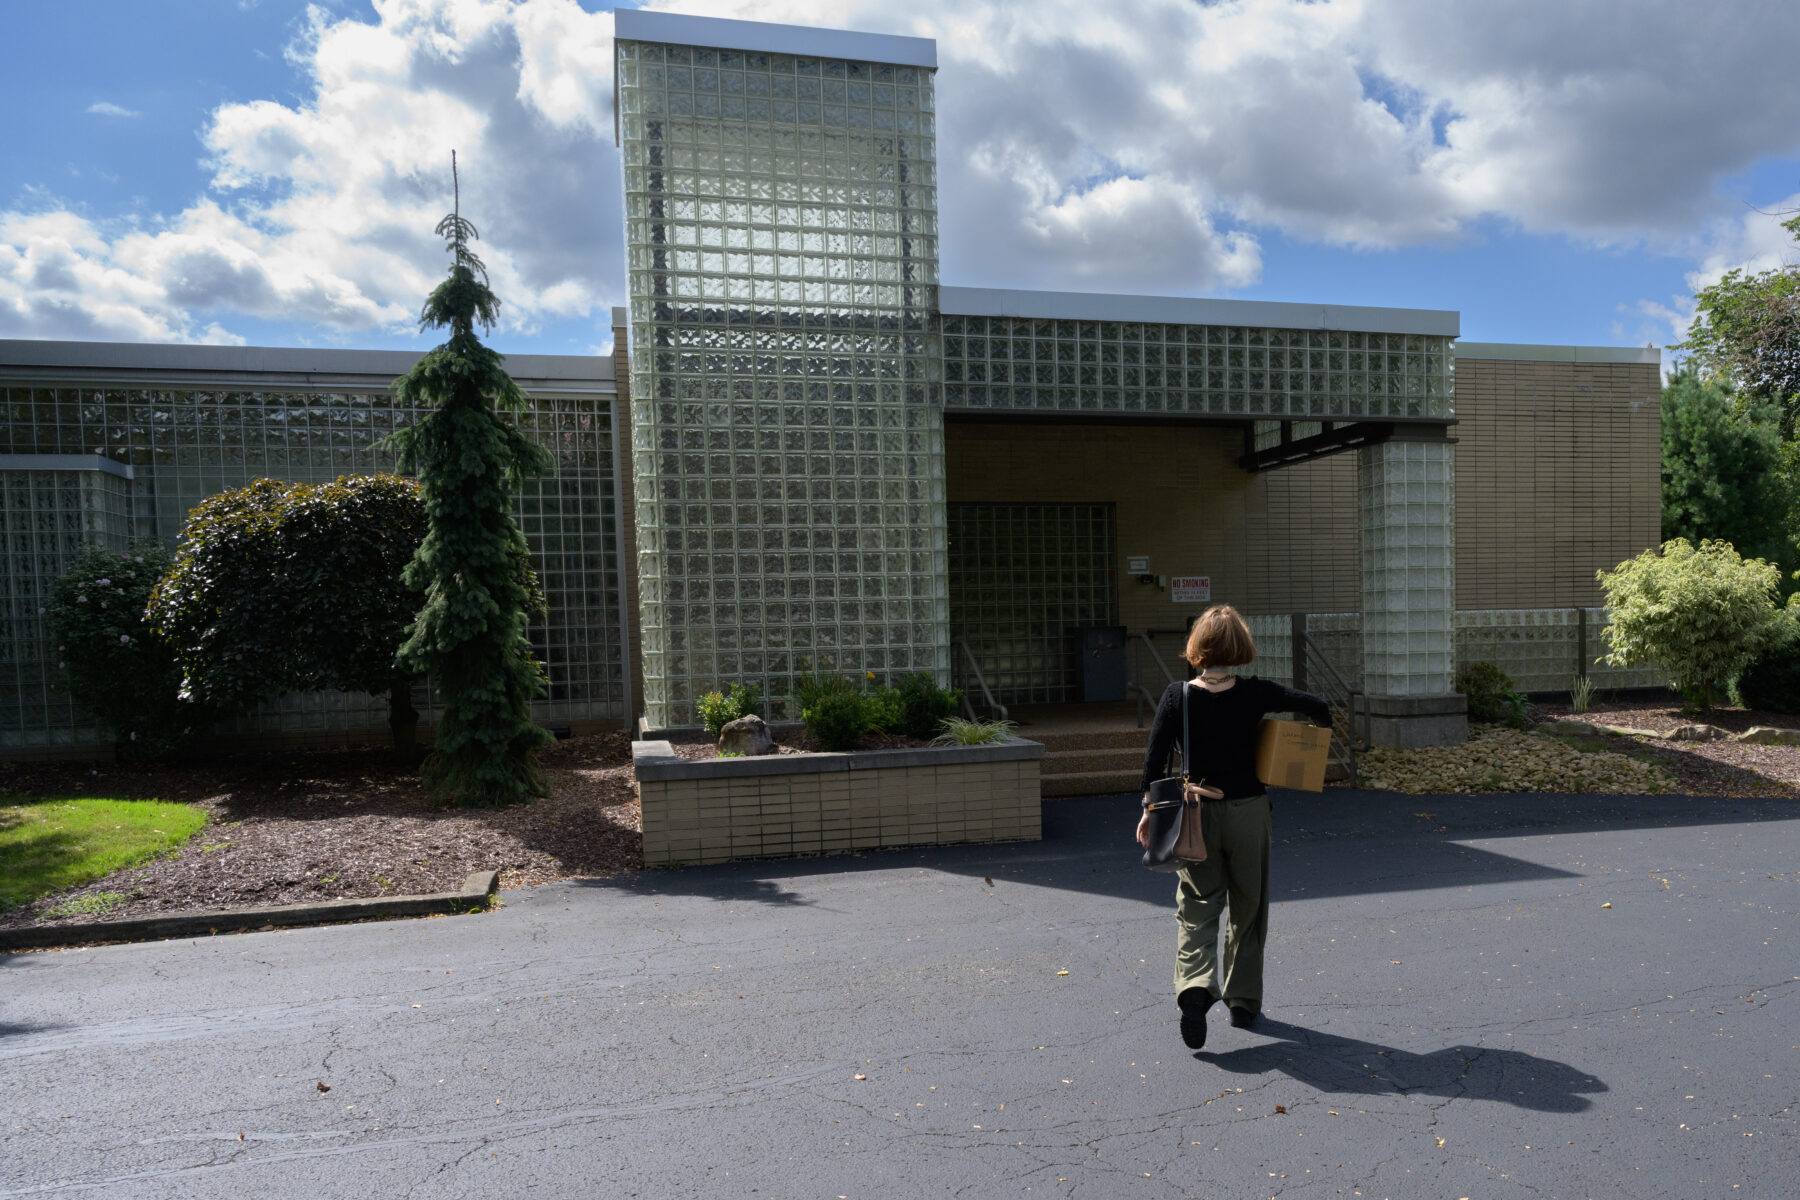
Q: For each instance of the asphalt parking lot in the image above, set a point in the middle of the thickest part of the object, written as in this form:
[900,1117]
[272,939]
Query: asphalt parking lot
[1483,997]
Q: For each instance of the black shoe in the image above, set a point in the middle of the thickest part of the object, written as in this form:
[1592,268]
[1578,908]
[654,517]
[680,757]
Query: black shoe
[1195,1002]
[1243,1016]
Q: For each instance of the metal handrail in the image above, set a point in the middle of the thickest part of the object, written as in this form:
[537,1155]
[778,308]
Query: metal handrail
[993,705]
[1156,658]
[1308,654]
[1142,692]
[1143,697]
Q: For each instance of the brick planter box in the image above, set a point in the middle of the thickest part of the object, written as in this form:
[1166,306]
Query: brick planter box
[779,805]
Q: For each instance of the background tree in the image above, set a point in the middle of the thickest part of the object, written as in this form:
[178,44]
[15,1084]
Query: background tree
[1724,470]
[1747,332]
[118,668]
[1702,614]
[295,587]
[472,567]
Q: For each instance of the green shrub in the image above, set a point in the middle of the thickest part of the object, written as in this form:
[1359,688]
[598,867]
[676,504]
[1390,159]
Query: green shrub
[1492,698]
[924,705]
[118,668]
[1581,692]
[719,709]
[1771,683]
[960,732]
[884,710]
[1702,614]
[835,711]
[295,587]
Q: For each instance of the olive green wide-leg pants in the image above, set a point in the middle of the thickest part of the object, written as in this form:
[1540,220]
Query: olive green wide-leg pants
[1233,882]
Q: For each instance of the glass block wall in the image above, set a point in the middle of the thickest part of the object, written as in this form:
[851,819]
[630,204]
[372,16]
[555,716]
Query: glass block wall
[48,512]
[185,445]
[1538,647]
[1142,367]
[1406,516]
[781,237]
[1021,577]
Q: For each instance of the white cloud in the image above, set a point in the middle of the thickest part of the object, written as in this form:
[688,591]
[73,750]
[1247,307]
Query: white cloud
[321,212]
[106,108]
[1139,145]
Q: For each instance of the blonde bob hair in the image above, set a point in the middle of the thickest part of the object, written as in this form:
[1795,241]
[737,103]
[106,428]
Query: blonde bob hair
[1220,638]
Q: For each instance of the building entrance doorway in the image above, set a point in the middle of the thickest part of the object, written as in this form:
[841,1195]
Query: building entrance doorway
[1022,577]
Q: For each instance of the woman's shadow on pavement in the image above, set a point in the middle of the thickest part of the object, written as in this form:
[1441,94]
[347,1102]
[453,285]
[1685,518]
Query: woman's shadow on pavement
[1331,1063]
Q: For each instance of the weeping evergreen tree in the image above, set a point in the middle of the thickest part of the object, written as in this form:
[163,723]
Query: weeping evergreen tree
[472,566]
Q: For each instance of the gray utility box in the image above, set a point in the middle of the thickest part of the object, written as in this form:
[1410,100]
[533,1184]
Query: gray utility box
[1100,662]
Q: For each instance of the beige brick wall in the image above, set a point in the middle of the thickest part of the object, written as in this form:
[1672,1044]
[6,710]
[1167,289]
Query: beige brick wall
[1558,474]
[777,816]
[1280,541]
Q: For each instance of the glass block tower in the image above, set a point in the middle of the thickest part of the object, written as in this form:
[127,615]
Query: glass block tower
[787,422]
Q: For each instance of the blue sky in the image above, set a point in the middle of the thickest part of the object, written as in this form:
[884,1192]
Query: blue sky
[259,171]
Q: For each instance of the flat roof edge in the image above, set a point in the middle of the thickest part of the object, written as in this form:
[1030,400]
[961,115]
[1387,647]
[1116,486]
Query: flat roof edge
[721,33]
[16,355]
[1648,356]
[1190,310]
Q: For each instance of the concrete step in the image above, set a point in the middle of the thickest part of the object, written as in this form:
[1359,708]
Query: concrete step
[1105,758]
[1087,739]
[1090,783]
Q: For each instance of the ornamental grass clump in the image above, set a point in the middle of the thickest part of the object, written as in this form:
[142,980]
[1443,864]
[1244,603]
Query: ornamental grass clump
[479,589]
[960,732]
[1701,613]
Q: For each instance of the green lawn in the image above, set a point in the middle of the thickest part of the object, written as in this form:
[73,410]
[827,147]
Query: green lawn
[51,844]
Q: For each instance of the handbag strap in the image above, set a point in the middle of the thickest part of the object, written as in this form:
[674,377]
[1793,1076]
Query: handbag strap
[1187,732]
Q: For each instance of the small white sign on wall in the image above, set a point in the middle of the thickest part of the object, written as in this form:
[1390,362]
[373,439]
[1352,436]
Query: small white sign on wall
[1137,564]
[1190,589]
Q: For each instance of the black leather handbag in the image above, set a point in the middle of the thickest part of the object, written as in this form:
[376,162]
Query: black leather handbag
[1176,834]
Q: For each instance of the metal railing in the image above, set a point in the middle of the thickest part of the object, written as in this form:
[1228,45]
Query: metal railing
[1143,694]
[996,710]
[1315,672]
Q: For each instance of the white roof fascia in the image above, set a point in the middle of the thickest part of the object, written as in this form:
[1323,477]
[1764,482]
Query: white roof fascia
[1187,310]
[1648,356]
[267,367]
[639,25]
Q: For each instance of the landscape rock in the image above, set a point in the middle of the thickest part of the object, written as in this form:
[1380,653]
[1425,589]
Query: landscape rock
[1573,728]
[1768,735]
[1697,733]
[748,736]
[1628,731]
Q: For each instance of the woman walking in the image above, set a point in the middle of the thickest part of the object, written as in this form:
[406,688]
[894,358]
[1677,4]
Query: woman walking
[1224,713]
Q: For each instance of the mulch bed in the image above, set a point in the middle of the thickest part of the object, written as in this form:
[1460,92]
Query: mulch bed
[325,825]
[292,828]
[1700,768]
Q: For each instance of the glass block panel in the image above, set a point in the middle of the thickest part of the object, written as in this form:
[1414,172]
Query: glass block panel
[186,445]
[1280,373]
[1406,513]
[1021,577]
[821,336]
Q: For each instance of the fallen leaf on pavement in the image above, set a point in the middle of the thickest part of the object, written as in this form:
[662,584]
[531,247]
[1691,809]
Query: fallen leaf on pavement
[323,1086]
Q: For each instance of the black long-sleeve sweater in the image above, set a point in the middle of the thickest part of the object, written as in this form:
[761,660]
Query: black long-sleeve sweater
[1223,726]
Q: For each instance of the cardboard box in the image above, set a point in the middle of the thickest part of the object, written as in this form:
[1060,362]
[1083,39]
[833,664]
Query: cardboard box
[1290,754]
